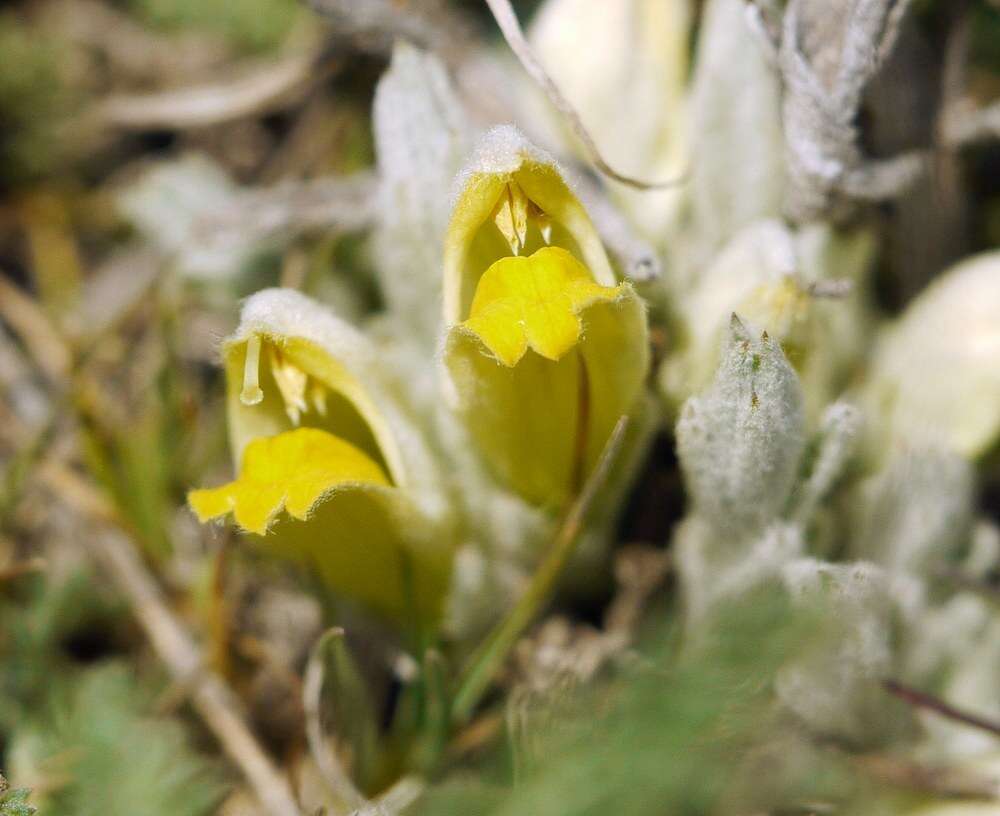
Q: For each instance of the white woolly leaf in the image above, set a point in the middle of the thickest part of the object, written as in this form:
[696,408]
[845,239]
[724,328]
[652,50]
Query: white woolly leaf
[168,202]
[713,573]
[835,686]
[421,137]
[737,165]
[917,513]
[838,437]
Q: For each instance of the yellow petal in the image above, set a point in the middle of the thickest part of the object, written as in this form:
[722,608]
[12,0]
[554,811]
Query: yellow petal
[290,471]
[534,302]
[535,419]
[342,521]
[370,544]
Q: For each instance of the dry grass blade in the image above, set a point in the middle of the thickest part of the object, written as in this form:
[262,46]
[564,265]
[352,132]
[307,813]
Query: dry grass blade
[401,795]
[514,35]
[344,204]
[947,782]
[264,89]
[375,25]
[211,697]
[494,650]
[962,124]
[19,568]
[111,293]
[329,765]
[39,335]
[921,699]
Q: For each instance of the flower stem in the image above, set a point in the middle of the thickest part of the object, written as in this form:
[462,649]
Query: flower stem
[490,656]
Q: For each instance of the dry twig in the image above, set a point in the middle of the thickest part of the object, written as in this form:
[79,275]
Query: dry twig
[375,25]
[326,759]
[263,89]
[639,571]
[291,208]
[504,14]
[211,697]
[40,337]
[946,782]
[921,699]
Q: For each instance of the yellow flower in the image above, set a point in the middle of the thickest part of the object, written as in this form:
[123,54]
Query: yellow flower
[545,351]
[935,374]
[331,473]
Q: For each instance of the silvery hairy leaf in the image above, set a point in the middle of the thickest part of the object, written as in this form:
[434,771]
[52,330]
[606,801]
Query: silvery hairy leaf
[211,228]
[917,513]
[713,573]
[421,138]
[167,202]
[835,686]
[836,443]
[737,166]
[827,55]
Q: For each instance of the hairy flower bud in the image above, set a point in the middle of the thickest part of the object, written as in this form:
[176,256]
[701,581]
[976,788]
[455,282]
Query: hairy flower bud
[936,377]
[741,442]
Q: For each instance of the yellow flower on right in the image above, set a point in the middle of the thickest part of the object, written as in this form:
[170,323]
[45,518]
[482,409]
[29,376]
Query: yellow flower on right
[545,350]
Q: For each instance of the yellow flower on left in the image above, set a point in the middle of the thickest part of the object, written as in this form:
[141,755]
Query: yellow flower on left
[332,474]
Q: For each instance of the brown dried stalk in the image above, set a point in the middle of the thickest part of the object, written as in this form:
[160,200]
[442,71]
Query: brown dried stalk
[334,774]
[921,699]
[514,35]
[265,88]
[211,697]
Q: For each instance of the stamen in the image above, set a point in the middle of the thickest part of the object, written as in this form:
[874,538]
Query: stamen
[544,226]
[511,217]
[291,381]
[519,210]
[503,217]
[317,392]
[251,393]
